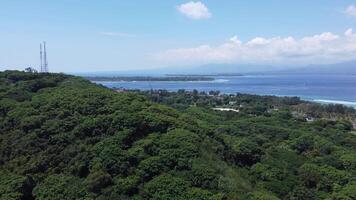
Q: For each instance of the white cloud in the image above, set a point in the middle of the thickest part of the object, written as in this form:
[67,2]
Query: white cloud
[349,32]
[235,40]
[351,10]
[324,37]
[194,10]
[117,34]
[258,41]
[322,48]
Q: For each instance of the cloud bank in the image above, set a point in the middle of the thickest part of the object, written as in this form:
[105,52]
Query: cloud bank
[317,49]
[194,10]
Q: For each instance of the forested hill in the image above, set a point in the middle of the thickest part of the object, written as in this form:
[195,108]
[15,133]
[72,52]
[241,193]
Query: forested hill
[62,137]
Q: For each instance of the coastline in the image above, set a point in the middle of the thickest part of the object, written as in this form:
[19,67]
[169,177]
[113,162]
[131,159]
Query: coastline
[334,90]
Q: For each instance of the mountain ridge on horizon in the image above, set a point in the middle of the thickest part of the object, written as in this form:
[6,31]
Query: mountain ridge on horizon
[348,67]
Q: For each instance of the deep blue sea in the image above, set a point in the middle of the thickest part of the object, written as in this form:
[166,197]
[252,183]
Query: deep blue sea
[320,88]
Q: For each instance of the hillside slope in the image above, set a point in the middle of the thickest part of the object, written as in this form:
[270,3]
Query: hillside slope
[62,137]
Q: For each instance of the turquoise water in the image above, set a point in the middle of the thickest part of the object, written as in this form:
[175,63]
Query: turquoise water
[339,89]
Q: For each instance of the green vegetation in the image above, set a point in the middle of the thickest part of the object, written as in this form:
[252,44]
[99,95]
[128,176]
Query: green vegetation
[62,137]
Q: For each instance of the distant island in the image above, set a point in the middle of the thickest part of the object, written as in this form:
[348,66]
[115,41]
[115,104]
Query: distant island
[149,78]
[204,75]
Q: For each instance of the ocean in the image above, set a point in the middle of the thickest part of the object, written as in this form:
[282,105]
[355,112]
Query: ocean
[336,89]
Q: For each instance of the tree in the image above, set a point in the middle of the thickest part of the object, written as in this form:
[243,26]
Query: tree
[347,192]
[165,187]
[303,143]
[245,152]
[97,180]
[60,187]
[261,196]
[13,187]
[310,174]
[30,70]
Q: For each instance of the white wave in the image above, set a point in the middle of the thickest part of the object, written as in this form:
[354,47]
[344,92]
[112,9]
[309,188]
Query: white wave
[349,103]
[220,81]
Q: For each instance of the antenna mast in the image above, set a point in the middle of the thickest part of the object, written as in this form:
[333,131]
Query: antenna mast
[41,59]
[45,58]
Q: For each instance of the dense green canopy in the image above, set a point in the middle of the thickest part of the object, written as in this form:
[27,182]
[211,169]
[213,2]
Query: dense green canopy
[62,137]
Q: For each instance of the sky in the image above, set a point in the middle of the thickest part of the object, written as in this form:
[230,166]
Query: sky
[116,35]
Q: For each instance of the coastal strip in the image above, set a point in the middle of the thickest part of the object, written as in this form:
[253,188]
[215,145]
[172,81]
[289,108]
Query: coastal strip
[148,78]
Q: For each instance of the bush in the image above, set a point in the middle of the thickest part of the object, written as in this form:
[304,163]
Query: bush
[98,180]
[60,187]
[165,187]
[13,187]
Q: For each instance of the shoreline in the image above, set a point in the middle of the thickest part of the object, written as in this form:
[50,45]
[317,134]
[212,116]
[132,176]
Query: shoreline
[342,102]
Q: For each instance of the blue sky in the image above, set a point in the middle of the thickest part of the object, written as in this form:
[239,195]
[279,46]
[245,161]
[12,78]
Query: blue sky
[114,35]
